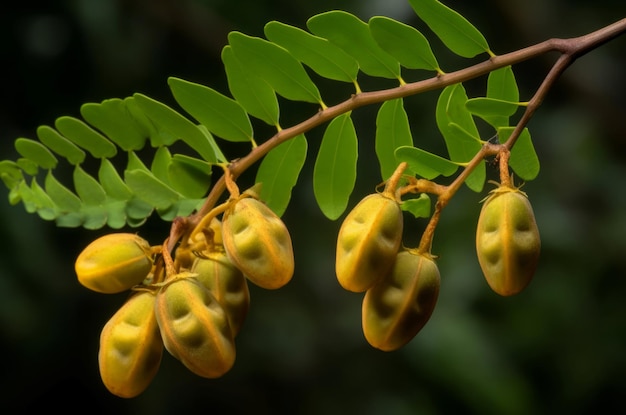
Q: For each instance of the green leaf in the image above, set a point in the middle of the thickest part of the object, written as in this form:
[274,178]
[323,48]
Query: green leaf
[46,209]
[489,107]
[37,152]
[30,167]
[456,32]
[112,183]
[524,160]
[137,211]
[189,176]
[323,57]
[501,85]
[113,119]
[172,126]
[150,189]
[255,95]
[27,197]
[86,137]
[334,174]
[353,36]
[392,131]
[405,43]
[221,115]
[87,188]
[145,126]
[419,207]
[60,145]
[425,164]
[216,149]
[279,173]
[116,213]
[64,198]
[94,217]
[10,173]
[160,164]
[276,66]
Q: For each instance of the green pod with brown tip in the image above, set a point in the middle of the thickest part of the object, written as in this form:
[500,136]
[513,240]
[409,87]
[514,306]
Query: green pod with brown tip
[396,308]
[130,347]
[507,241]
[194,326]
[257,241]
[368,242]
[114,263]
[227,284]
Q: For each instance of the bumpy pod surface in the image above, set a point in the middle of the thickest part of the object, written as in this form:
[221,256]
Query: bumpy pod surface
[397,307]
[130,347]
[227,284]
[194,327]
[114,263]
[507,241]
[368,242]
[258,243]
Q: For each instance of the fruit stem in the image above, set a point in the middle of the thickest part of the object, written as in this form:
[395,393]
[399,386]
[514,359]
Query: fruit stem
[392,182]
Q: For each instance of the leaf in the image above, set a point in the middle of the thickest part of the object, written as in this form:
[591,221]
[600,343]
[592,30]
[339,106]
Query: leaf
[10,173]
[279,171]
[524,160]
[425,164]
[60,145]
[221,115]
[64,198]
[353,36]
[276,66]
[160,164]
[419,207]
[255,95]
[112,183]
[37,152]
[405,43]
[334,174]
[46,209]
[189,176]
[173,126]
[323,57]
[501,85]
[456,32]
[149,189]
[87,188]
[113,119]
[392,131]
[86,137]
[459,131]
[489,107]
[30,167]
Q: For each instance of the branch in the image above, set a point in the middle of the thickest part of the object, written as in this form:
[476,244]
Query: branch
[570,49]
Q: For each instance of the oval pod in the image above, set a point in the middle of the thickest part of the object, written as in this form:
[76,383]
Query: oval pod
[114,263]
[258,243]
[396,308]
[227,284]
[130,347]
[507,241]
[194,327]
[368,242]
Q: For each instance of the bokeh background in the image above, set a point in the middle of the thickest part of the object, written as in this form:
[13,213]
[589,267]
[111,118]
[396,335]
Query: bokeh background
[557,347]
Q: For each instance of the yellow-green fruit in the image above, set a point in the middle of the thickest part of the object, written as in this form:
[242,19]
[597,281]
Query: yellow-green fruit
[194,327]
[507,241]
[227,284]
[397,307]
[114,263]
[130,347]
[258,243]
[368,241]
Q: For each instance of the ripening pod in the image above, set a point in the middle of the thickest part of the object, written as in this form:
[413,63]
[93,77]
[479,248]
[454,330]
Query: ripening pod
[258,243]
[130,347]
[114,263]
[397,307]
[227,284]
[194,327]
[368,242]
[507,241]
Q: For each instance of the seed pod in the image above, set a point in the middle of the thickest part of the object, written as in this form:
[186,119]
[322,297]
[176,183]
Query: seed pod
[194,327]
[507,241]
[227,284]
[114,263]
[368,242]
[258,243]
[397,307]
[130,347]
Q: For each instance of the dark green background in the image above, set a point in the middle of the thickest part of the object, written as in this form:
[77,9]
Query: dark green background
[557,347]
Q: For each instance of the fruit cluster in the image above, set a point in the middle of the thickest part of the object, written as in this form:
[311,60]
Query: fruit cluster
[401,285]
[192,303]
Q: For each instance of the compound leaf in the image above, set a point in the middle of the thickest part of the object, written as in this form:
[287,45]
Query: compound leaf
[113,119]
[52,139]
[86,137]
[87,188]
[334,174]
[36,152]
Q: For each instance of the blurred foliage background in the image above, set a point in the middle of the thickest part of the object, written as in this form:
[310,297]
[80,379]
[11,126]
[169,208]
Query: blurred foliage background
[557,347]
